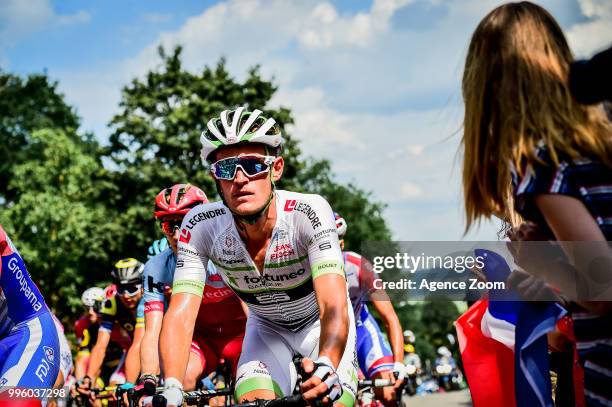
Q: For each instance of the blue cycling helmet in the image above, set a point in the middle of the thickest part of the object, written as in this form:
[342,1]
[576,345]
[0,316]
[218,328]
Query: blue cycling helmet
[157,247]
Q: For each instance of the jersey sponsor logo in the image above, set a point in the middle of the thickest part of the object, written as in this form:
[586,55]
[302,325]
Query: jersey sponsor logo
[49,354]
[272,298]
[184,250]
[152,286]
[290,205]
[230,261]
[309,212]
[325,246]
[42,371]
[322,235]
[218,293]
[185,236]
[24,287]
[229,241]
[199,217]
[282,250]
[153,306]
[276,278]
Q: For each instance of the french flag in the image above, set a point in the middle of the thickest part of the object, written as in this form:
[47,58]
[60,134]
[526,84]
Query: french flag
[504,346]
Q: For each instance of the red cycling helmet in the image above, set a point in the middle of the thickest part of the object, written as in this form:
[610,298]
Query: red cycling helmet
[178,200]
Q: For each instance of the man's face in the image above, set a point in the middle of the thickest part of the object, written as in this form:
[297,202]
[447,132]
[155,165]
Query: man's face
[245,195]
[171,226]
[130,294]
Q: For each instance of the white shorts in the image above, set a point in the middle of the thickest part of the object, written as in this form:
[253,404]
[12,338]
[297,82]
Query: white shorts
[266,362]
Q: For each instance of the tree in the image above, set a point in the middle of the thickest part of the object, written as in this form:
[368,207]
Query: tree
[27,105]
[155,144]
[59,220]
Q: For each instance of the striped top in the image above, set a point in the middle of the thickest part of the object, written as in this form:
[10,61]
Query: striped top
[591,183]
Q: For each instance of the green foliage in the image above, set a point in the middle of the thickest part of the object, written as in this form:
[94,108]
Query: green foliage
[25,106]
[58,220]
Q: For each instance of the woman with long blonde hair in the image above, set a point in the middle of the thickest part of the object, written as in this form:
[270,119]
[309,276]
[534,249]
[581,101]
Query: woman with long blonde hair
[529,146]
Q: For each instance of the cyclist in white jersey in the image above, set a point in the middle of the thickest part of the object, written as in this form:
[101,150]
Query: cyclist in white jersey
[279,251]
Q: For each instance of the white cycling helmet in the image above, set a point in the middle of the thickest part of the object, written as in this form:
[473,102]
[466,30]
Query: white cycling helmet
[341,225]
[409,336]
[91,295]
[443,351]
[128,271]
[239,126]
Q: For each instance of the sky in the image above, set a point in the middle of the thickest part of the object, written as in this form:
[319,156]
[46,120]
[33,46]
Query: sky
[374,86]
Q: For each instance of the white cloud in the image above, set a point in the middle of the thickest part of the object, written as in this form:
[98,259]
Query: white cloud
[409,190]
[19,19]
[325,29]
[595,34]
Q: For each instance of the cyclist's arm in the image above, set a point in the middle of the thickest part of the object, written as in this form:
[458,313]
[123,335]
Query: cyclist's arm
[329,280]
[149,354]
[176,333]
[382,303]
[97,354]
[178,323]
[333,310]
[393,327]
[80,363]
[132,358]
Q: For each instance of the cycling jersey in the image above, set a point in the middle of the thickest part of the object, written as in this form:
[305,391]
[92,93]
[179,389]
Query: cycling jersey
[373,351]
[359,280]
[87,334]
[29,347]
[65,354]
[220,323]
[220,310]
[114,312]
[303,246]
[284,314]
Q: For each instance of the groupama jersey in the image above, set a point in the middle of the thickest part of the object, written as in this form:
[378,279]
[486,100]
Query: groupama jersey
[20,299]
[303,246]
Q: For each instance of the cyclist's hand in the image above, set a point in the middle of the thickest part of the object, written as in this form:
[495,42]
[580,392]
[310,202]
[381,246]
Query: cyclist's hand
[173,392]
[399,374]
[324,384]
[83,386]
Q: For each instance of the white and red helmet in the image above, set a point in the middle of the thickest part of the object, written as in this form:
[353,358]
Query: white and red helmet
[341,225]
[178,200]
[239,126]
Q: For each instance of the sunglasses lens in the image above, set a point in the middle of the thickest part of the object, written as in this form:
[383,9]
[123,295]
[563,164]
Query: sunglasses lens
[169,226]
[130,290]
[226,169]
[252,166]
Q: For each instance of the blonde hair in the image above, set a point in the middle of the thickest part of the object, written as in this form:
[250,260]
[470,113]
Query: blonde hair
[516,95]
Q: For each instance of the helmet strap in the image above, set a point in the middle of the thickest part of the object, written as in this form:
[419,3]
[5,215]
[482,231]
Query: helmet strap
[249,219]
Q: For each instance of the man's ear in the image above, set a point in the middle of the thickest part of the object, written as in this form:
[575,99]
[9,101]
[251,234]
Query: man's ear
[277,169]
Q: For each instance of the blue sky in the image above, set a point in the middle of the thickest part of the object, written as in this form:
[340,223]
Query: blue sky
[374,85]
